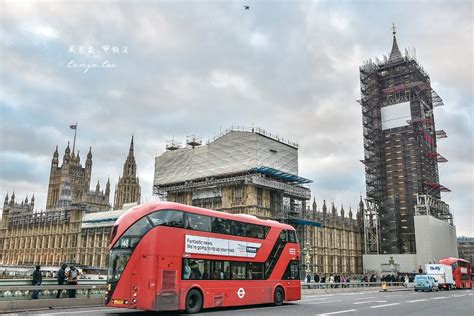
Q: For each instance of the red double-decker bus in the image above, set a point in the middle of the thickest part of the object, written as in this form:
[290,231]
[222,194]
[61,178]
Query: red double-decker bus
[462,272]
[169,256]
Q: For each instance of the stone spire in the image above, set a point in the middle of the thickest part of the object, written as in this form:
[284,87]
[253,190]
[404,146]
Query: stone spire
[12,199]
[333,210]
[67,154]
[342,211]
[107,188]
[55,160]
[395,53]
[130,151]
[350,212]
[315,206]
[361,205]
[325,208]
[128,186]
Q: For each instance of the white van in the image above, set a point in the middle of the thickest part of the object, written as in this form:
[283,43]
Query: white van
[443,274]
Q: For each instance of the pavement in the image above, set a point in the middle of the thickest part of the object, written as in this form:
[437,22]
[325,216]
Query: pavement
[368,302]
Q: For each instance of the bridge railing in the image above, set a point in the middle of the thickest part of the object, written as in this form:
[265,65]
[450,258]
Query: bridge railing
[314,285]
[24,292]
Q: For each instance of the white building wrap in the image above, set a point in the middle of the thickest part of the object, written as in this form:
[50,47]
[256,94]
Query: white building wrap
[395,115]
[221,247]
[233,152]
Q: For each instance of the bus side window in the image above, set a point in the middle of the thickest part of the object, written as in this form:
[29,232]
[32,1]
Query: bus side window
[254,231]
[238,271]
[220,225]
[197,222]
[255,271]
[292,271]
[284,235]
[292,236]
[237,228]
[267,230]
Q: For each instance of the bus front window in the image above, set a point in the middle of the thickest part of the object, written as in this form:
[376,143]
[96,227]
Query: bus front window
[117,261]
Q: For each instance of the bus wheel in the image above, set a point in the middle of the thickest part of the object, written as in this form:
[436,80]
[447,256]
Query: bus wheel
[278,296]
[193,301]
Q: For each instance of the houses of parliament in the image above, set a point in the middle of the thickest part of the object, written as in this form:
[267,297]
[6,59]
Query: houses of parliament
[76,224]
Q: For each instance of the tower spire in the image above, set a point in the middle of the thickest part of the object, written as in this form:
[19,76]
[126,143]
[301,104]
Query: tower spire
[395,53]
[130,152]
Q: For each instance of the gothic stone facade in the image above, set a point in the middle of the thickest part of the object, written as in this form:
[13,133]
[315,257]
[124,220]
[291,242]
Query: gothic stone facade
[44,238]
[128,187]
[79,179]
[71,230]
[53,237]
[338,243]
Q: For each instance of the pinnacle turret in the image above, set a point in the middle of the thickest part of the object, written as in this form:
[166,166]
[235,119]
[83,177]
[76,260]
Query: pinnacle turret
[395,53]
[130,152]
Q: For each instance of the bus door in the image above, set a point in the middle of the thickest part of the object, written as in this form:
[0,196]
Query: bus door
[167,285]
[144,284]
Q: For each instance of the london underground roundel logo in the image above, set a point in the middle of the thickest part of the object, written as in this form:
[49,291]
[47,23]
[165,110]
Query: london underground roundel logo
[241,292]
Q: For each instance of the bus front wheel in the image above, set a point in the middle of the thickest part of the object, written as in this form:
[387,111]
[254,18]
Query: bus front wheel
[278,296]
[193,301]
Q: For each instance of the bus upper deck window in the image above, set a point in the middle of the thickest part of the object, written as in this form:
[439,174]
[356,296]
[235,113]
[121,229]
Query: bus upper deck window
[167,218]
[197,222]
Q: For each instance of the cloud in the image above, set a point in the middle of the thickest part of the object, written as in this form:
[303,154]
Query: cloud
[201,67]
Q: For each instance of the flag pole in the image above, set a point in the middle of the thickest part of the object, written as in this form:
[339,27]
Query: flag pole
[74,143]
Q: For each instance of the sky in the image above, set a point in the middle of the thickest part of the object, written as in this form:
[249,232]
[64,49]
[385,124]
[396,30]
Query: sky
[167,69]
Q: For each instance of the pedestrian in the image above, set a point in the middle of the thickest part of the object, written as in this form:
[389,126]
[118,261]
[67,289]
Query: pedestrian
[405,283]
[37,279]
[61,278]
[316,278]
[72,276]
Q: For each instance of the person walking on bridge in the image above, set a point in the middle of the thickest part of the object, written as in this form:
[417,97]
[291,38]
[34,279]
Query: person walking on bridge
[37,280]
[61,278]
[72,276]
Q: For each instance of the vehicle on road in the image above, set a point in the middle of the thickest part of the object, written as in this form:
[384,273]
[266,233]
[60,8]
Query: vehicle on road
[443,275]
[425,282]
[169,256]
[462,273]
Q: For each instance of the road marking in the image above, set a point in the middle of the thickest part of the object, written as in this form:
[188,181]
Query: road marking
[414,301]
[315,299]
[363,298]
[439,298]
[458,295]
[339,312]
[316,303]
[82,310]
[365,302]
[262,308]
[328,295]
[377,306]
